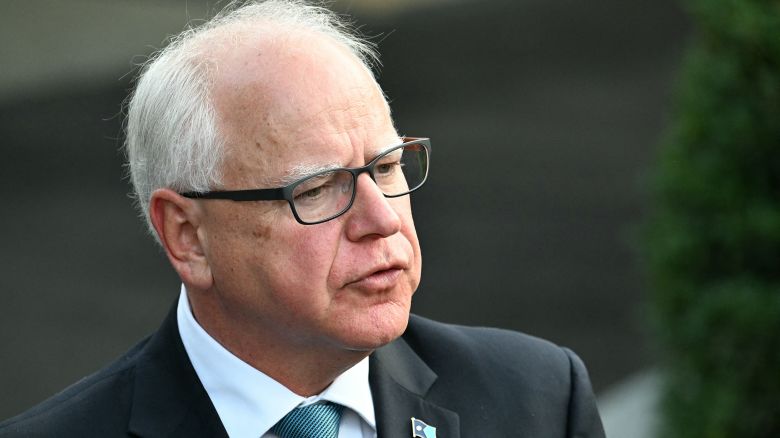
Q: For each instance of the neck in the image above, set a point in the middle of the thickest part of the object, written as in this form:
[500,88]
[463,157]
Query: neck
[305,368]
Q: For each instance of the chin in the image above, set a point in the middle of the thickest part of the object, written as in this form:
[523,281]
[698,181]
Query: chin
[378,327]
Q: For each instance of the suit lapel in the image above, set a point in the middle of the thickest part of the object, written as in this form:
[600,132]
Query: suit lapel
[168,398]
[399,382]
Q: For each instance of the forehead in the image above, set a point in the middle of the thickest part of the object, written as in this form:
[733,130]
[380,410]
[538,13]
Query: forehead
[296,100]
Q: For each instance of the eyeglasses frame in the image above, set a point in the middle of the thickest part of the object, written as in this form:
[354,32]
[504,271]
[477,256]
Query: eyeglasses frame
[286,193]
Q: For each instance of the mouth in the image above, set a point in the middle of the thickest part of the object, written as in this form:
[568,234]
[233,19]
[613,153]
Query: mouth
[378,279]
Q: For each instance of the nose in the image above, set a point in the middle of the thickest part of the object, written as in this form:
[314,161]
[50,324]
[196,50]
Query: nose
[371,213]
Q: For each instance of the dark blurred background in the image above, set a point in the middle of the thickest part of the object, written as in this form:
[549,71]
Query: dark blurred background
[544,117]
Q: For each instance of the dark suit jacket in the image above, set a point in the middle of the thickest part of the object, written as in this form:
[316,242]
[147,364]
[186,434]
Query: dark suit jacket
[467,382]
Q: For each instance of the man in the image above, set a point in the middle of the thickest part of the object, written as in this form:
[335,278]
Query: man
[265,160]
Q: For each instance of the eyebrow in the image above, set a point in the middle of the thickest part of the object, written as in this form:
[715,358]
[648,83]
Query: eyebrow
[379,151]
[299,171]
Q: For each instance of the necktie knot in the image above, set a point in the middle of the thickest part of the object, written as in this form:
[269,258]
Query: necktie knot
[318,420]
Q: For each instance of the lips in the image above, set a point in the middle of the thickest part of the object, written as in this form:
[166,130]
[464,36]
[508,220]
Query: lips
[379,277]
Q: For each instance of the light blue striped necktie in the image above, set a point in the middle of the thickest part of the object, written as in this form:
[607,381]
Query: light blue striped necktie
[318,420]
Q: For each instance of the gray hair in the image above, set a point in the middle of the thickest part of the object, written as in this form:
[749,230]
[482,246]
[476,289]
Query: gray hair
[171,135]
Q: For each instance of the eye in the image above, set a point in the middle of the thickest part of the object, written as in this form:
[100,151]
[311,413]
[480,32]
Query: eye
[310,194]
[314,188]
[386,169]
[323,188]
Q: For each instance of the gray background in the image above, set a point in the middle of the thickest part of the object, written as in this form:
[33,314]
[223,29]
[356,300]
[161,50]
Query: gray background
[544,115]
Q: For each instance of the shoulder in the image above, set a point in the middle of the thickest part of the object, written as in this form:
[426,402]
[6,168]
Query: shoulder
[512,377]
[499,349]
[96,404]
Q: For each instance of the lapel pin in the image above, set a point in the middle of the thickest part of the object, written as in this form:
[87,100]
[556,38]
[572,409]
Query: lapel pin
[422,430]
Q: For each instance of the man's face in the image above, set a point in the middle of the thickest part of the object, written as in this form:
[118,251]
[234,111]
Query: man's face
[299,104]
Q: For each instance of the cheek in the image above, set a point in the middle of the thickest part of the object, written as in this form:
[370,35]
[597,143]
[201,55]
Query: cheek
[408,230]
[404,210]
[410,234]
[306,257]
[235,252]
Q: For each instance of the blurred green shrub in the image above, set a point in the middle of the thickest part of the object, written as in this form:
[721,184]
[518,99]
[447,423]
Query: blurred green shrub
[714,237]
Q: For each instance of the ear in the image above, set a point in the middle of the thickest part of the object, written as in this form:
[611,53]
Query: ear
[177,220]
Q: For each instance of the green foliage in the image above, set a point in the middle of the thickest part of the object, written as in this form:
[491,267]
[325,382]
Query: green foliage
[714,239]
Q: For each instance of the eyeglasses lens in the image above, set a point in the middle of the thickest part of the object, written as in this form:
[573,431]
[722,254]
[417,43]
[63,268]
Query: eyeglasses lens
[414,164]
[328,194]
[323,195]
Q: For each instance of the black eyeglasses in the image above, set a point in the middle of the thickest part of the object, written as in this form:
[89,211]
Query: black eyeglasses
[326,195]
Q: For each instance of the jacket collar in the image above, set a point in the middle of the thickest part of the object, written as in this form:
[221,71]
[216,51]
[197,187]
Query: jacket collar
[400,381]
[168,398]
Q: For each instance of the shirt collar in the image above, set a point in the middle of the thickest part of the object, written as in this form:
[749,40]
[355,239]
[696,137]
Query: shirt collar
[248,401]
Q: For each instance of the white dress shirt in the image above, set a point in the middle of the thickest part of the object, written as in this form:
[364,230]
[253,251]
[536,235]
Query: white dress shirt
[249,402]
